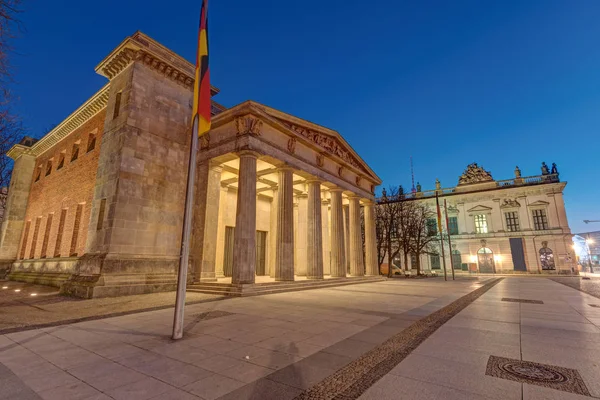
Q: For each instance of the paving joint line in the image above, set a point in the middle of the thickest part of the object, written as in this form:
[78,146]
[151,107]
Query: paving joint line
[351,381]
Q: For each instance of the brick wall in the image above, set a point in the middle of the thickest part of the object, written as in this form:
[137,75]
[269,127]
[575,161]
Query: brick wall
[68,188]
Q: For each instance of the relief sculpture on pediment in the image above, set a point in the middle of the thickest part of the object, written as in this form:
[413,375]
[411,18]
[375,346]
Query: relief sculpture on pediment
[327,142]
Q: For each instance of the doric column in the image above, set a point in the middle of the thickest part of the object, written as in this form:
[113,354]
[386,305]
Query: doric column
[284,251]
[244,241]
[338,248]
[314,266]
[300,237]
[346,212]
[16,206]
[220,257]
[211,223]
[356,248]
[325,230]
[273,234]
[372,267]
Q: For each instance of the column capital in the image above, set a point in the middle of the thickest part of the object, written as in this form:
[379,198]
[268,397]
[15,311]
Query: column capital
[314,180]
[336,189]
[369,202]
[215,166]
[248,153]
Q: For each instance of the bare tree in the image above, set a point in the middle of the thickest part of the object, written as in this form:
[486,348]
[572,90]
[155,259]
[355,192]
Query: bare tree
[11,128]
[387,215]
[423,239]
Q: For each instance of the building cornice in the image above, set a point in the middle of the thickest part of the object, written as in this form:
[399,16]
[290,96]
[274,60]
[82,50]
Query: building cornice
[82,115]
[140,47]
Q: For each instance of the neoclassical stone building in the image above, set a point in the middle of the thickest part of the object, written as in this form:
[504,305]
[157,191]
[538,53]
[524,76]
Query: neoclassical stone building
[517,225]
[96,205]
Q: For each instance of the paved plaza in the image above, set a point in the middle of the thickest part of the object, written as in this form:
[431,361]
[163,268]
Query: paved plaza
[480,338]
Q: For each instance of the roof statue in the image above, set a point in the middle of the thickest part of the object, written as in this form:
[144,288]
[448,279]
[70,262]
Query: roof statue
[474,174]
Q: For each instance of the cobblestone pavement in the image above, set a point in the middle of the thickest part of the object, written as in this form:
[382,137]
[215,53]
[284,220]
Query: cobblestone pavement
[267,347]
[23,305]
[589,286]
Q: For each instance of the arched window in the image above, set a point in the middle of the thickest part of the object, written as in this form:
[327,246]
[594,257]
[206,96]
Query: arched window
[456,259]
[547,258]
[485,259]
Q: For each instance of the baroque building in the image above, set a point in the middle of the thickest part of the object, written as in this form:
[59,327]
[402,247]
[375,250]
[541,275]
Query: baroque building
[516,225]
[96,205]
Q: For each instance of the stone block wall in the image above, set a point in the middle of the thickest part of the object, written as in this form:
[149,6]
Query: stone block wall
[141,175]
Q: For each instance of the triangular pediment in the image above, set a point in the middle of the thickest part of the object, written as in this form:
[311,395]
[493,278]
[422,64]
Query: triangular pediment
[479,208]
[538,203]
[327,140]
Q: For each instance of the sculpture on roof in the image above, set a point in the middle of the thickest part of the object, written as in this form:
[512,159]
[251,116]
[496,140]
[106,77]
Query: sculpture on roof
[545,170]
[474,174]
[554,169]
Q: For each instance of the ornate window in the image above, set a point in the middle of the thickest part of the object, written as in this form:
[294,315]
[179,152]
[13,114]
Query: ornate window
[481,225]
[512,221]
[453,225]
[546,258]
[540,220]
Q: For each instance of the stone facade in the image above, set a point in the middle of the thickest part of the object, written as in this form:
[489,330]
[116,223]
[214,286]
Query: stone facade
[517,225]
[109,222]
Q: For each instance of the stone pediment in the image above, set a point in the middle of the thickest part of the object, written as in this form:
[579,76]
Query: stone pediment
[538,203]
[480,209]
[329,141]
[474,174]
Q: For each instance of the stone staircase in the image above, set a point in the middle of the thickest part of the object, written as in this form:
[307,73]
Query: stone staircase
[257,289]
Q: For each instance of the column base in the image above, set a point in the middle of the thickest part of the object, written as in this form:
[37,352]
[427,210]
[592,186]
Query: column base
[314,278]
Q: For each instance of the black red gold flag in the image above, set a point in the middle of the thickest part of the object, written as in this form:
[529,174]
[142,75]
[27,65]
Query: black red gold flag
[201,110]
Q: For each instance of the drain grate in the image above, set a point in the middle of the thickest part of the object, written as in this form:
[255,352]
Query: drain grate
[550,376]
[522,300]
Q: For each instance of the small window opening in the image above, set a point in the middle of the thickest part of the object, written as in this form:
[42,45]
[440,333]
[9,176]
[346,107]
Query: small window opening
[117,105]
[91,142]
[75,152]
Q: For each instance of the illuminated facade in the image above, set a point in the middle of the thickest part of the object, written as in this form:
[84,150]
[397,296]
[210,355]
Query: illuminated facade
[96,205]
[517,225]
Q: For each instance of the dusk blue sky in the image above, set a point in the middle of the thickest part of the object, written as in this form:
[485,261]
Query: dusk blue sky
[501,83]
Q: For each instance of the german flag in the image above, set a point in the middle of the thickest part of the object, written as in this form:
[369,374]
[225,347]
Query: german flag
[201,110]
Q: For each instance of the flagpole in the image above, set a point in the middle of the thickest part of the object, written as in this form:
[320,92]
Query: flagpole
[185,237]
[449,240]
[437,202]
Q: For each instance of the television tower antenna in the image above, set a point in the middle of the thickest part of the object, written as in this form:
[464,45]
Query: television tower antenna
[412,173]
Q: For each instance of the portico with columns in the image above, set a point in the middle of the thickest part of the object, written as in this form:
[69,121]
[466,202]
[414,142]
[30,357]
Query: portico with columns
[271,193]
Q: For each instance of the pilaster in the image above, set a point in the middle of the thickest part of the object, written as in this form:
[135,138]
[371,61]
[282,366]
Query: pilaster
[372,267]
[211,223]
[16,207]
[273,234]
[357,267]
[346,217]
[325,230]
[314,231]
[338,248]
[301,228]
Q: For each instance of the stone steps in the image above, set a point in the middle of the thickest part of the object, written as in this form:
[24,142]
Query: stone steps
[228,289]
